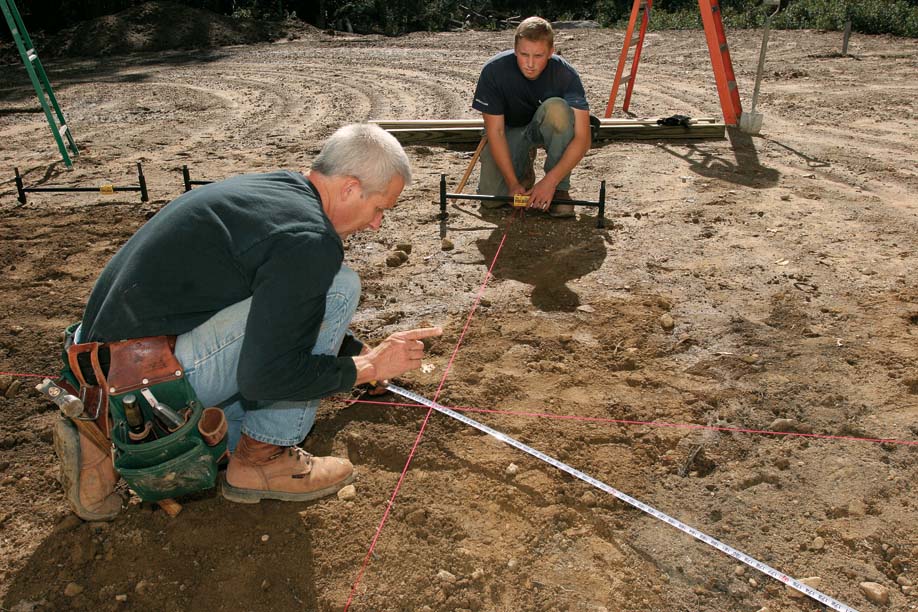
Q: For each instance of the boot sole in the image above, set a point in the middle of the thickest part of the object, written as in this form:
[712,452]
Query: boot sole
[253,496]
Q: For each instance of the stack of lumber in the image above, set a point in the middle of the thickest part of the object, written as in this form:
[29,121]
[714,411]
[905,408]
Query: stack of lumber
[469,131]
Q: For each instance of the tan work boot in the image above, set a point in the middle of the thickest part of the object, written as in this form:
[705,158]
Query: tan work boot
[258,470]
[87,474]
[561,210]
[528,179]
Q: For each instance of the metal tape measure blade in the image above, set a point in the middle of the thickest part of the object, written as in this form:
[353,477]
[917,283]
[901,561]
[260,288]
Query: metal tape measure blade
[698,535]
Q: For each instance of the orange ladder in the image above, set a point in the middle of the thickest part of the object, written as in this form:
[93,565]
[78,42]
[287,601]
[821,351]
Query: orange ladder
[724,77]
[641,8]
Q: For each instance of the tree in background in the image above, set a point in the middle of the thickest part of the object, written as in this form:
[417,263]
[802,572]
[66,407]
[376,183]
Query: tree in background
[399,16]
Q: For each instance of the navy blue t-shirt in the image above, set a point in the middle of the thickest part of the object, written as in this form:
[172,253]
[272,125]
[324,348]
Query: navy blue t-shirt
[504,90]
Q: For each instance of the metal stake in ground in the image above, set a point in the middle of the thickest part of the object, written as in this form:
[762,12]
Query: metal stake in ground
[736,554]
[600,203]
[189,184]
[106,189]
[751,122]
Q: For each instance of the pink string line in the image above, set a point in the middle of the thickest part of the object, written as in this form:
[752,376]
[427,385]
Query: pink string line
[385,515]
[572,417]
[20,374]
[468,321]
[417,440]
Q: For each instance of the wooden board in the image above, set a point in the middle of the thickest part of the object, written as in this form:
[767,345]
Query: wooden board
[403,124]
[621,129]
[653,131]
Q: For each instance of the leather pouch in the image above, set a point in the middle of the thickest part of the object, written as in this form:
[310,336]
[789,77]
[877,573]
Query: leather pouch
[168,460]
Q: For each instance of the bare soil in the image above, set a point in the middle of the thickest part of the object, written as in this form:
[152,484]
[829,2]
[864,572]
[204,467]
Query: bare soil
[786,262]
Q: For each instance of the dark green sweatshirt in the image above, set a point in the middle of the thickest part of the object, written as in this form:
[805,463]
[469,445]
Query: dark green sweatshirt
[259,235]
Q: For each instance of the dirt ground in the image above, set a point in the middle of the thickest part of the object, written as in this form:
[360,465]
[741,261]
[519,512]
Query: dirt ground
[785,263]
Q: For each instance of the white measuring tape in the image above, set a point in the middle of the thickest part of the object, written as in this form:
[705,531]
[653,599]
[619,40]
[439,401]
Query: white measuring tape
[736,554]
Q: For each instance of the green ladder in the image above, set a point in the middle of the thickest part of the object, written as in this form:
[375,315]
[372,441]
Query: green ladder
[40,82]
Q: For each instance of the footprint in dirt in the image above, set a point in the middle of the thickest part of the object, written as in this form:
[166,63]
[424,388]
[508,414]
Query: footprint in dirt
[545,253]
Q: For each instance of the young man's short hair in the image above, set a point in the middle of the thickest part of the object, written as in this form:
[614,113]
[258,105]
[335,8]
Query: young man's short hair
[535,29]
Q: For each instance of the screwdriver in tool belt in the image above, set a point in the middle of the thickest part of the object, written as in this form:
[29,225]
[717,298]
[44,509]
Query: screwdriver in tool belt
[170,418]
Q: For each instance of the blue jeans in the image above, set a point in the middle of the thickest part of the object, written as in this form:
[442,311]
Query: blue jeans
[210,355]
[552,126]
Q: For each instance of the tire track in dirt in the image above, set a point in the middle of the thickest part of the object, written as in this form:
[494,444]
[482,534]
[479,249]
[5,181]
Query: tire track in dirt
[367,93]
[268,103]
[848,172]
[895,143]
[654,97]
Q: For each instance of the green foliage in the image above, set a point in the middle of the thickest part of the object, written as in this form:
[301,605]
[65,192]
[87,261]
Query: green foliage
[683,19]
[394,17]
[390,17]
[609,12]
[898,17]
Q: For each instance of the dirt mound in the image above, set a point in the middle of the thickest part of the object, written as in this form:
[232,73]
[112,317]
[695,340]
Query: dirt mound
[159,26]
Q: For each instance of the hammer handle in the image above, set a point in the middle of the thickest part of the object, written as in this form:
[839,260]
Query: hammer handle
[95,435]
[475,156]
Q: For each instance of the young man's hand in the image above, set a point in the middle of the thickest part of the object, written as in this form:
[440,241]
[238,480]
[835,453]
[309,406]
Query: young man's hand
[542,193]
[517,189]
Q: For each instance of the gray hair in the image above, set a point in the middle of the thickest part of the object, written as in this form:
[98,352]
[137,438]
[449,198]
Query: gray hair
[366,152]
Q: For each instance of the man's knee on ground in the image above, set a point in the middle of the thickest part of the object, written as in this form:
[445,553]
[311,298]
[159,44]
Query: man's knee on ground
[558,114]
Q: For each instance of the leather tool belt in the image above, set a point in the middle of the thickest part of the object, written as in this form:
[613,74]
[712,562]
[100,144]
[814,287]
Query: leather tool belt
[168,459]
[140,362]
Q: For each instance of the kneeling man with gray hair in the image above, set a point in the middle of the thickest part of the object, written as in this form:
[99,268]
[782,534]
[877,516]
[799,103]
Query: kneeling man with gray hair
[245,276]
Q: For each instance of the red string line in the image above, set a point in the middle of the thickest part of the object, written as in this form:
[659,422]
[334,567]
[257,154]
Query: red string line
[572,417]
[25,375]
[468,321]
[688,426]
[385,515]
[417,440]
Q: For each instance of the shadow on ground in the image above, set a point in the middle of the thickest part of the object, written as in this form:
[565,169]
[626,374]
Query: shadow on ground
[546,253]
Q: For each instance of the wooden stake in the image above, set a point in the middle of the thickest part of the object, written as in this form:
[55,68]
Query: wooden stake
[170,506]
[468,171]
[845,38]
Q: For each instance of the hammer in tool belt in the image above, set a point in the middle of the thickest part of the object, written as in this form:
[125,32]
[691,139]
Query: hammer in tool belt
[72,407]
